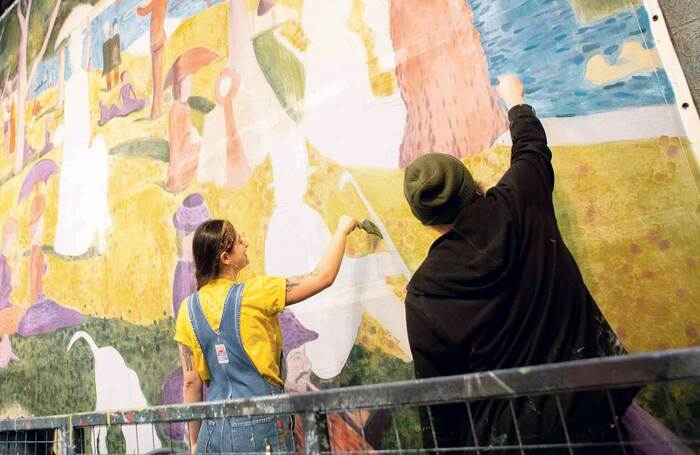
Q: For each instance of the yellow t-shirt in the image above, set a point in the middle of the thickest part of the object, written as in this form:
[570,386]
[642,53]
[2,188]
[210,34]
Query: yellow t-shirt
[263,297]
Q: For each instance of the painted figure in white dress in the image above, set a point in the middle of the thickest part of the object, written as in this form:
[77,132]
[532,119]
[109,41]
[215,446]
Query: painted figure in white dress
[83,213]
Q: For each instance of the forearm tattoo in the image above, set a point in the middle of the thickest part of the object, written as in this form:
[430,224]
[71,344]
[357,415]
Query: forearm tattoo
[294,281]
[187,356]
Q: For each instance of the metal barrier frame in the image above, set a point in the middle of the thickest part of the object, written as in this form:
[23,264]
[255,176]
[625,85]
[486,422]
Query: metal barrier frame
[599,373]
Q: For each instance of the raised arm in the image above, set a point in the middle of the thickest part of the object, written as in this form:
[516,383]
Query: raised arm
[530,170]
[191,390]
[304,286]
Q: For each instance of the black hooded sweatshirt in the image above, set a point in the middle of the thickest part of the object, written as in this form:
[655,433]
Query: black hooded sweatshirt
[501,290]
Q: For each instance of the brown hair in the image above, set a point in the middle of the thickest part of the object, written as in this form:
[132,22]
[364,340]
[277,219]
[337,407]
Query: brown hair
[211,239]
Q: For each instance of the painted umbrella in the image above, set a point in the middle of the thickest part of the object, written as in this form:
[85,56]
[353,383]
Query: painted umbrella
[40,172]
[189,62]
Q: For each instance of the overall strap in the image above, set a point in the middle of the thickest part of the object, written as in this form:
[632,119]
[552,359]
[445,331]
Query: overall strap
[202,330]
[231,315]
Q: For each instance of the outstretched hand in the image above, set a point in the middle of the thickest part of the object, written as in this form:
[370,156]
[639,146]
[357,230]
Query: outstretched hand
[510,90]
[347,224]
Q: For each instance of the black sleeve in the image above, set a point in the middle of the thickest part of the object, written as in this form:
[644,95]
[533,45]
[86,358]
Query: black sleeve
[530,175]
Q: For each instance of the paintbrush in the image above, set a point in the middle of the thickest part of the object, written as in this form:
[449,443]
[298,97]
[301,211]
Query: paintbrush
[371,228]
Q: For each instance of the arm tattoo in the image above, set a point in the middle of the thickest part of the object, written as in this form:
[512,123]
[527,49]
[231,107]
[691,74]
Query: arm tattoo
[290,284]
[294,281]
[187,355]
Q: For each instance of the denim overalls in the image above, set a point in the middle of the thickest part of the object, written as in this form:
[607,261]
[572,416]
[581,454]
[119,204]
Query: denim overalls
[236,379]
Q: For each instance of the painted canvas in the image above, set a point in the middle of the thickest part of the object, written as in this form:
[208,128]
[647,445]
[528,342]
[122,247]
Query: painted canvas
[127,123]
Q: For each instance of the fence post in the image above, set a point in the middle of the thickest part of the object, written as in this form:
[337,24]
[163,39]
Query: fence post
[315,433]
[67,447]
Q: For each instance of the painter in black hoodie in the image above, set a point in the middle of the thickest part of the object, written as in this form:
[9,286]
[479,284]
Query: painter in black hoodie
[500,289]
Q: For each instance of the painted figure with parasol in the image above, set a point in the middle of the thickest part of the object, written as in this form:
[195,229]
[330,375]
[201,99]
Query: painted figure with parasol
[183,138]
[43,315]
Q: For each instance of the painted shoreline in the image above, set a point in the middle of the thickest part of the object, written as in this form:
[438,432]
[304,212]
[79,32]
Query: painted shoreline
[625,125]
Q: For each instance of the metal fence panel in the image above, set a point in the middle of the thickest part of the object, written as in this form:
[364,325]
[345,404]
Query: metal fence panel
[372,418]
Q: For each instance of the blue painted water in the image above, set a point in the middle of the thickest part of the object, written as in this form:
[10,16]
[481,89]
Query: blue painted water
[545,45]
[540,40]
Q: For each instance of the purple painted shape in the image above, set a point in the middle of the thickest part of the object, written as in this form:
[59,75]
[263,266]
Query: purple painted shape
[48,145]
[40,172]
[172,394]
[184,283]
[293,333]
[107,112]
[130,103]
[656,438]
[47,316]
[29,151]
[264,6]
[191,213]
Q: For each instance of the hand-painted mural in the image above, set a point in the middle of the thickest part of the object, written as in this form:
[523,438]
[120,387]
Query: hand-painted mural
[127,123]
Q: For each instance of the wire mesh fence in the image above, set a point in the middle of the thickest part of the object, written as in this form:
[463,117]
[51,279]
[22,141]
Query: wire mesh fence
[582,407]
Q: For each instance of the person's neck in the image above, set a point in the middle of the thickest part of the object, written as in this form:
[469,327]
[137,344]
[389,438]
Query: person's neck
[228,275]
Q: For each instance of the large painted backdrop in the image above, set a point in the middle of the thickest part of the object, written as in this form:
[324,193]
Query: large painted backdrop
[126,124]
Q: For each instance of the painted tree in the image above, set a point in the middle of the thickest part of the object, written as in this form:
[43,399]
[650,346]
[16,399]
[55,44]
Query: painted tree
[4,72]
[60,76]
[25,79]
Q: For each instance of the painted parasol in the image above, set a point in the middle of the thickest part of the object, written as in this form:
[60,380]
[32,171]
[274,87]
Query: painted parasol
[75,19]
[189,62]
[264,6]
[40,172]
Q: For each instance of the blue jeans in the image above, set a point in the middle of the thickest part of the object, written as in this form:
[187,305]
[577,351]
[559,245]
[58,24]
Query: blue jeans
[262,435]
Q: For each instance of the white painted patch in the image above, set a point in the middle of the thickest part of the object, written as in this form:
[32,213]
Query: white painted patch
[342,117]
[117,387]
[212,153]
[83,211]
[6,354]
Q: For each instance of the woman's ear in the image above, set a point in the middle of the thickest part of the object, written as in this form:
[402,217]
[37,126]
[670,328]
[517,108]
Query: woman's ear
[225,258]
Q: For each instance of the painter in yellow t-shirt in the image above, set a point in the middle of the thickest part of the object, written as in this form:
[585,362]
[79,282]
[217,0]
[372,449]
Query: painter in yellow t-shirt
[263,297]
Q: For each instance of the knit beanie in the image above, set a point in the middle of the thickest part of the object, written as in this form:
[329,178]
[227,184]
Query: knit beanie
[437,187]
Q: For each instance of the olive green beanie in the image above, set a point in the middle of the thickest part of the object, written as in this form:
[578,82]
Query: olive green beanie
[437,187]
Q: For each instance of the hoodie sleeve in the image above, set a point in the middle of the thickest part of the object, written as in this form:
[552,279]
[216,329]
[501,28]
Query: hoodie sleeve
[530,174]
